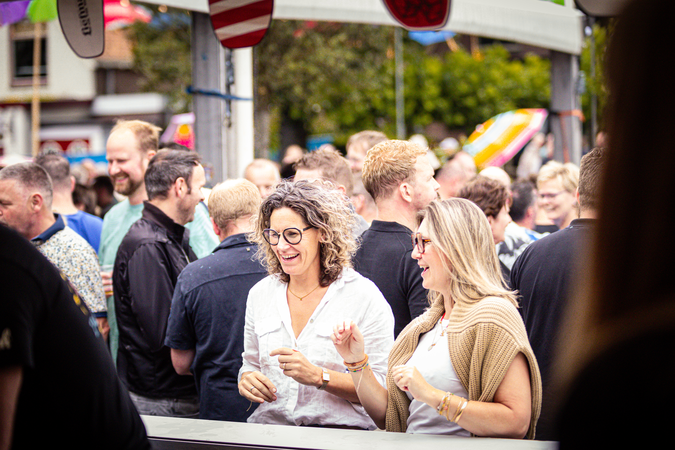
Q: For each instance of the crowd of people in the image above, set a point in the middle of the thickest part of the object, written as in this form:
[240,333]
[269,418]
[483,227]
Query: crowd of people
[365,291]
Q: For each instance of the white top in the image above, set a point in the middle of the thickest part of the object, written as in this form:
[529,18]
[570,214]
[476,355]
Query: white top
[268,327]
[436,367]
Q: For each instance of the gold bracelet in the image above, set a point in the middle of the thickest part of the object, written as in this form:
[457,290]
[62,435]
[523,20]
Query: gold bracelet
[460,410]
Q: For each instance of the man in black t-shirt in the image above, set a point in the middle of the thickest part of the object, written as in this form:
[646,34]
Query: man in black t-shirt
[544,275]
[399,177]
[58,383]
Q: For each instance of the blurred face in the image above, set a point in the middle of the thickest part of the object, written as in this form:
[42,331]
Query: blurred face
[434,275]
[126,162]
[264,178]
[308,174]
[498,224]
[15,211]
[301,259]
[191,200]
[425,186]
[557,203]
[356,155]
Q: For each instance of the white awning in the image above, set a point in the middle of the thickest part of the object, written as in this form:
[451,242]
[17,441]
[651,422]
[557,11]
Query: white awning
[533,22]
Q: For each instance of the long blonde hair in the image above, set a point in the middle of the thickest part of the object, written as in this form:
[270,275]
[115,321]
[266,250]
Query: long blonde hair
[461,234]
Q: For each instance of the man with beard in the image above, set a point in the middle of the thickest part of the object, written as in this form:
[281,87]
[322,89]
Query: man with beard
[151,256]
[131,145]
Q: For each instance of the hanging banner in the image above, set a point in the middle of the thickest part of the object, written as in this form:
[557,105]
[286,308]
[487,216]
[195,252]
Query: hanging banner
[82,25]
[240,23]
[420,15]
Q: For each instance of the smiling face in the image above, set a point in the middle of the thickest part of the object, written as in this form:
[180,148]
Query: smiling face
[301,259]
[126,162]
[560,205]
[434,269]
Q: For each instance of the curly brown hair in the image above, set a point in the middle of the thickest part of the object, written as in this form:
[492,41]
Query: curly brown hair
[321,206]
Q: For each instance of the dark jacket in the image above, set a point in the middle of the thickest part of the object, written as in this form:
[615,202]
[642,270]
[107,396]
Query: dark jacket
[151,256]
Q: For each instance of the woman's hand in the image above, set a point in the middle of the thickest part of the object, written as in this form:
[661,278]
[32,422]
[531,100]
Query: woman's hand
[408,378]
[348,341]
[256,387]
[295,365]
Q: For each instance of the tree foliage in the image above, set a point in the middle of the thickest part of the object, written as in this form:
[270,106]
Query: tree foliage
[162,55]
[340,79]
[595,85]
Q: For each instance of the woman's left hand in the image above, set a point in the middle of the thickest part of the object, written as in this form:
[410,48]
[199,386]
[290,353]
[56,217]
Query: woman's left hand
[408,378]
[295,365]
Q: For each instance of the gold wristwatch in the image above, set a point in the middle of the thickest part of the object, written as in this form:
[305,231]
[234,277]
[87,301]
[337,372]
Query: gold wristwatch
[325,377]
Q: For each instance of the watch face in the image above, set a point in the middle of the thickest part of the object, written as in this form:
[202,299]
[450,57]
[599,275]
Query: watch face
[326,376]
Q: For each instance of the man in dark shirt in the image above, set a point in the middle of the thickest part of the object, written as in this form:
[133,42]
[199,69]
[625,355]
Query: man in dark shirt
[57,380]
[544,275]
[151,256]
[206,324]
[399,177]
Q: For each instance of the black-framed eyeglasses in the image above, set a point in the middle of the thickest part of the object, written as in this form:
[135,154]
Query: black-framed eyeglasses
[291,235]
[419,242]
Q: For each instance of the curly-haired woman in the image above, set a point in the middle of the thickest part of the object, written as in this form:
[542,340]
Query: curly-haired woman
[290,365]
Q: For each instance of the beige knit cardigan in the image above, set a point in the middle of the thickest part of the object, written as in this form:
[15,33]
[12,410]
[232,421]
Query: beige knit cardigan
[483,340]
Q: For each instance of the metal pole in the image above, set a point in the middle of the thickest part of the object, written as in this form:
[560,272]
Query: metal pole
[35,103]
[400,101]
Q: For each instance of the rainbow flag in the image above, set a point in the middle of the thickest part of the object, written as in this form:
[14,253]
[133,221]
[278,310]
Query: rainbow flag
[496,141]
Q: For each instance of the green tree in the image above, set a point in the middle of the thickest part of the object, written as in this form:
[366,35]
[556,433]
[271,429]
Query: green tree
[320,75]
[162,55]
[595,85]
[463,91]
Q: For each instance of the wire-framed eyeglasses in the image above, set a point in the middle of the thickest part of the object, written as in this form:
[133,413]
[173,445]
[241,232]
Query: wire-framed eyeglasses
[291,235]
[419,242]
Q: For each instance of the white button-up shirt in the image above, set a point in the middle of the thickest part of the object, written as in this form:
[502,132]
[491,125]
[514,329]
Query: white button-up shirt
[268,327]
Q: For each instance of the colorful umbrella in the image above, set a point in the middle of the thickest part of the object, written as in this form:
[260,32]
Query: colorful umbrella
[121,13]
[496,141]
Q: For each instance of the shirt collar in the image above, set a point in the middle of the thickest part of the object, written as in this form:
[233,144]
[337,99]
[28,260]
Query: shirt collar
[380,225]
[154,214]
[233,241]
[57,226]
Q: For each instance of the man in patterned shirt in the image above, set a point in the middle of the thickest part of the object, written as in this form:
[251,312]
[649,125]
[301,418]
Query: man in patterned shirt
[26,205]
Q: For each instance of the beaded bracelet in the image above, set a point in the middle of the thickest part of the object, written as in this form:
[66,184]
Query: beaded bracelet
[357,369]
[357,366]
[442,407]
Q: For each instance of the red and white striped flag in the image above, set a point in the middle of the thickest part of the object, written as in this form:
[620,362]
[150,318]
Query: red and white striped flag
[240,23]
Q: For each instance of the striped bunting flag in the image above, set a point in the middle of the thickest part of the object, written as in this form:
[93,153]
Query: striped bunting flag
[240,23]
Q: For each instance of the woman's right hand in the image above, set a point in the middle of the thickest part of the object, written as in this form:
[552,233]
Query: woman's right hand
[348,342]
[256,387]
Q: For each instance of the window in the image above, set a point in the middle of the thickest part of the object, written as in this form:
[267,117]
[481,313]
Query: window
[22,37]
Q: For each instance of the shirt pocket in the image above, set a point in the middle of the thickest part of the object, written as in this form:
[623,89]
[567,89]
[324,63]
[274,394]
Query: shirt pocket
[324,350]
[270,334]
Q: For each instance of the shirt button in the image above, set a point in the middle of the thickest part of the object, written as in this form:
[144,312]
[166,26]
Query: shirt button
[311,320]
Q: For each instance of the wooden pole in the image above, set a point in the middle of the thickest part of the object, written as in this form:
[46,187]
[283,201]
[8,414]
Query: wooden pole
[35,104]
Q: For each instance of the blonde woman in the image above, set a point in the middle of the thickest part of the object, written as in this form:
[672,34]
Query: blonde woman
[290,366]
[465,367]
